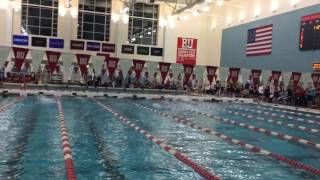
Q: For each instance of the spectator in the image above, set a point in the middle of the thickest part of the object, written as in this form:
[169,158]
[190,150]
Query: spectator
[311,93]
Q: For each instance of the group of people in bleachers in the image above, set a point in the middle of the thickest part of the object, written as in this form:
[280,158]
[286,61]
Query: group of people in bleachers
[130,80]
[292,94]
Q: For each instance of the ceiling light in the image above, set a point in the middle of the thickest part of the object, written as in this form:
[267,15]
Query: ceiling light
[274,6]
[257,11]
[125,18]
[62,11]
[242,16]
[185,17]
[74,13]
[4,4]
[162,22]
[195,13]
[115,17]
[205,8]
[294,3]
[16,7]
[219,2]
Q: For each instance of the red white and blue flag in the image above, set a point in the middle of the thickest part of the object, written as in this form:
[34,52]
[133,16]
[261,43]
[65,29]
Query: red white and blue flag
[259,41]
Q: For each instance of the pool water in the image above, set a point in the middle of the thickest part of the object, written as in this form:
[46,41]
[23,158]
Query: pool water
[105,148]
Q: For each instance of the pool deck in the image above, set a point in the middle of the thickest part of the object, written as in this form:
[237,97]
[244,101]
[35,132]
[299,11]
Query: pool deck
[180,95]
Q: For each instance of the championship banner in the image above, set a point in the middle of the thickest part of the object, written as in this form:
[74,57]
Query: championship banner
[112,64]
[295,77]
[188,70]
[83,61]
[276,76]
[211,73]
[164,69]
[234,74]
[53,58]
[315,79]
[20,55]
[138,67]
[255,75]
[186,51]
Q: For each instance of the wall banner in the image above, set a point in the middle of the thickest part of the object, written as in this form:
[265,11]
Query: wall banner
[188,70]
[211,73]
[83,61]
[186,51]
[77,45]
[53,58]
[20,40]
[164,69]
[255,76]
[138,67]
[20,55]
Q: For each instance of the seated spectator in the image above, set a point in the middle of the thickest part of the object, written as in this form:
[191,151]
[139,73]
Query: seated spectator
[169,81]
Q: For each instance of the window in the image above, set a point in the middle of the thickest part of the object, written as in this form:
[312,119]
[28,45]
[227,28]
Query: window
[143,24]
[94,20]
[39,17]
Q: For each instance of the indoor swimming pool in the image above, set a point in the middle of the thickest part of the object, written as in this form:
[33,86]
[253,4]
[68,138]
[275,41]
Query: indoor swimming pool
[113,138]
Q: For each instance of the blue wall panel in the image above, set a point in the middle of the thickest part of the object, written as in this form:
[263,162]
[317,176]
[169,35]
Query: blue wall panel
[285,56]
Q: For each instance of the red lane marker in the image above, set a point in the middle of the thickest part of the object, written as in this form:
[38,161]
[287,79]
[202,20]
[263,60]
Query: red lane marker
[68,161]
[268,114]
[180,156]
[267,132]
[6,107]
[267,119]
[247,146]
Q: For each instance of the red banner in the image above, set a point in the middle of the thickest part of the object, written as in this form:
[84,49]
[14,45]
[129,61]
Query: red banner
[315,79]
[186,51]
[234,74]
[188,70]
[295,77]
[20,55]
[164,69]
[211,73]
[83,61]
[255,75]
[276,76]
[138,67]
[53,58]
[112,64]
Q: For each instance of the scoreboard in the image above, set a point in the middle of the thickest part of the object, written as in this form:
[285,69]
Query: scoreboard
[316,66]
[310,32]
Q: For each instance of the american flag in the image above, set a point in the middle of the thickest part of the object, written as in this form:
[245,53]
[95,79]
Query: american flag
[259,41]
